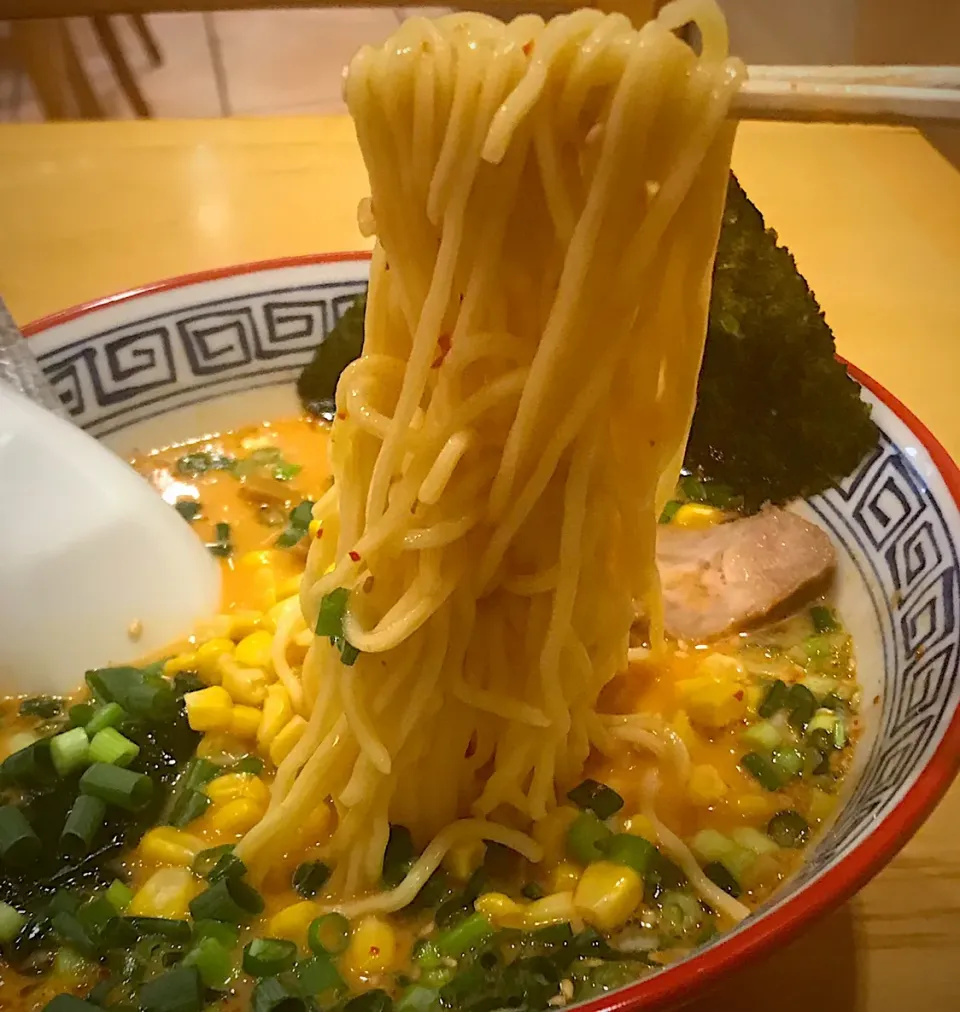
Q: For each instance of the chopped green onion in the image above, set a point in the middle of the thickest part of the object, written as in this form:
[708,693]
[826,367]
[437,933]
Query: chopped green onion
[249,764]
[273,995]
[591,796]
[96,913]
[192,465]
[227,866]
[110,746]
[30,766]
[823,619]
[170,928]
[266,957]
[788,762]
[186,801]
[44,707]
[108,715]
[19,844]
[839,733]
[329,934]
[586,838]
[229,899]
[533,891]
[153,699]
[80,714]
[206,860]
[64,901]
[299,523]
[468,934]
[119,895]
[720,876]
[774,700]
[801,703]
[187,681]
[309,878]
[69,1003]
[11,921]
[317,976]
[70,929]
[177,990]
[191,805]
[226,934]
[123,788]
[84,819]
[140,693]
[764,734]
[69,963]
[222,547]
[426,954]
[70,751]
[348,652]
[418,998]
[833,701]
[376,1000]
[213,962]
[189,509]
[670,511]
[632,851]
[788,829]
[398,857]
[332,609]
[762,770]
[437,977]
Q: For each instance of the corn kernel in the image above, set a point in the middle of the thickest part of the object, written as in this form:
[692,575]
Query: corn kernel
[182,662]
[289,587]
[753,807]
[217,627]
[715,697]
[313,527]
[683,728]
[277,711]
[245,685]
[465,858]
[696,515]
[208,658]
[372,949]
[557,908]
[705,786]
[234,818]
[244,722]
[253,651]
[822,805]
[755,694]
[208,709]
[551,833]
[263,557]
[231,786]
[292,922]
[167,893]
[315,827]
[500,910]
[168,845]
[282,745]
[243,623]
[564,877]
[640,825]
[607,894]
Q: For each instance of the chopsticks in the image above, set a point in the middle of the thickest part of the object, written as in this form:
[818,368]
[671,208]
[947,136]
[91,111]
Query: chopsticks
[904,95]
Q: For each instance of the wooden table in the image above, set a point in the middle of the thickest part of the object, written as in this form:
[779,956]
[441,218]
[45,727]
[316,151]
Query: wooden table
[873,217]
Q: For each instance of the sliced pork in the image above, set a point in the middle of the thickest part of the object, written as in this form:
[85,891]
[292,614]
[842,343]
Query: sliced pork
[722,578]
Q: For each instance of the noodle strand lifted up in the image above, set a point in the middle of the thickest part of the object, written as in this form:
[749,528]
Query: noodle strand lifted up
[546,200]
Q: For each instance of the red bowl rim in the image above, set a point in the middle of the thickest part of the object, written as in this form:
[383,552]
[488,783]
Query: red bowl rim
[684,981]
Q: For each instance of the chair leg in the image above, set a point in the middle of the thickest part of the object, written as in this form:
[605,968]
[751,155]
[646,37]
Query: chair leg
[147,39]
[86,98]
[118,61]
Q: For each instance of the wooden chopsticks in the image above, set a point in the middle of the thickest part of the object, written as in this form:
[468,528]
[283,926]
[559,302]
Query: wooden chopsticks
[906,95]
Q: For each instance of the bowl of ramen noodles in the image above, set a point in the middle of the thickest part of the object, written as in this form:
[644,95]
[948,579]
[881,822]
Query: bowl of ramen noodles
[588,627]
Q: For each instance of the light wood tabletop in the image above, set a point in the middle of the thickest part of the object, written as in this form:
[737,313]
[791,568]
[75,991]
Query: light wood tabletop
[872,215]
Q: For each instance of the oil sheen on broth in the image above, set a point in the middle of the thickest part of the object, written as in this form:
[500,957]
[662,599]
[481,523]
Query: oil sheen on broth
[764,722]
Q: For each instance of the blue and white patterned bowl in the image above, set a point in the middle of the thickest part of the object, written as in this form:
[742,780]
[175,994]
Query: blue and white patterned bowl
[201,354]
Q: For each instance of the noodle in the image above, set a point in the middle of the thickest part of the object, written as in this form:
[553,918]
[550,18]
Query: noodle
[546,200]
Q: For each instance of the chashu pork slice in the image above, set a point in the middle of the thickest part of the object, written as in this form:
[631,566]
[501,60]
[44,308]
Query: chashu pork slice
[721,578]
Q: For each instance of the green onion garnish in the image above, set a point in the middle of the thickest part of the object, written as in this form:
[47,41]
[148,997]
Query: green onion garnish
[249,764]
[29,767]
[69,1003]
[591,796]
[110,746]
[71,930]
[670,511]
[468,934]
[632,851]
[309,878]
[788,762]
[80,714]
[318,976]
[116,786]
[398,857]
[298,525]
[227,866]
[70,751]
[802,704]
[172,929]
[189,509]
[44,707]
[222,546]
[533,891]
[774,700]
[426,954]
[177,990]
[273,995]
[84,819]
[788,829]
[720,876]
[417,998]
[206,860]
[11,921]
[213,962]
[108,715]
[376,1000]
[266,957]
[587,837]
[333,607]
[226,934]
[762,770]
[19,844]
[329,934]
[823,619]
[229,899]
[192,465]
[119,895]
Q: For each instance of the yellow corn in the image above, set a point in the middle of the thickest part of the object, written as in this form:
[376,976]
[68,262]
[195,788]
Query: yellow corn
[465,858]
[245,685]
[313,527]
[288,587]
[253,651]
[208,709]
[500,910]
[551,833]
[217,627]
[607,894]
[640,825]
[243,623]
[316,824]
[557,908]
[696,515]
[292,922]
[372,949]
[245,722]
[753,807]
[282,745]
[564,876]
[182,662]
[705,786]
[822,805]
[235,817]
[715,697]
[683,727]
[277,711]
[262,557]
[208,658]
[167,893]
[231,786]
[168,845]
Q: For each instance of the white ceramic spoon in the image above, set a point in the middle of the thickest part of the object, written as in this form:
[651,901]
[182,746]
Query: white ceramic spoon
[95,568]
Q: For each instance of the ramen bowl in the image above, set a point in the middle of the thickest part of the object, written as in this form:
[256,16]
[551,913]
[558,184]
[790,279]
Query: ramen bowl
[202,354]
